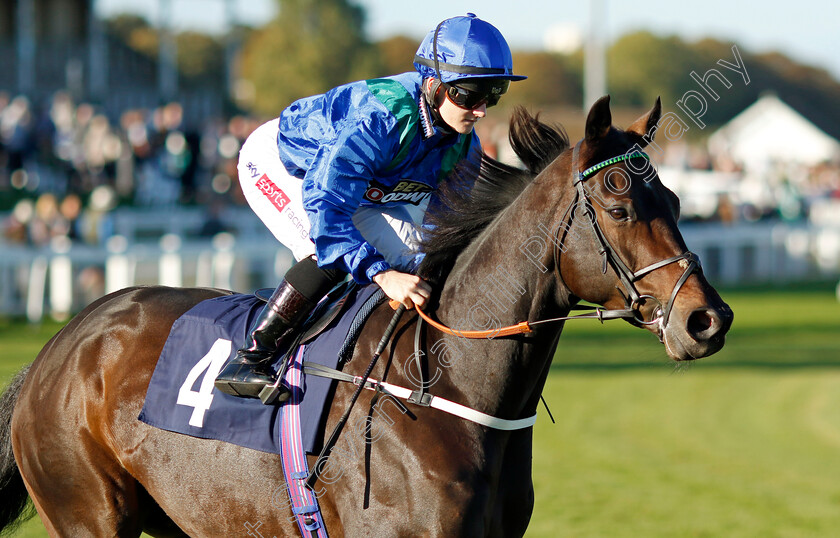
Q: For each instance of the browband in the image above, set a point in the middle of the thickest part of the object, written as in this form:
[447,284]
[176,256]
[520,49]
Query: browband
[581,176]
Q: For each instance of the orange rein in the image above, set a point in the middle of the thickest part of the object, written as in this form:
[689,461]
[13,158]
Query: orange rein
[520,328]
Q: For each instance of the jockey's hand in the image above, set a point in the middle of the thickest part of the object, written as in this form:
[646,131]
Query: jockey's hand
[405,288]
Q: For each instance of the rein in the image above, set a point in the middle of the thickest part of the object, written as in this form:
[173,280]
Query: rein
[523,327]
[330,443]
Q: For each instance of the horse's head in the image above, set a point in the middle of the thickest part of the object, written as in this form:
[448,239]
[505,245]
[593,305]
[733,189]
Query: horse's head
[619,245]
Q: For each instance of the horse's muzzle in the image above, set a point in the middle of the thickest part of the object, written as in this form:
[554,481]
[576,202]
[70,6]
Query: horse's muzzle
[698,333]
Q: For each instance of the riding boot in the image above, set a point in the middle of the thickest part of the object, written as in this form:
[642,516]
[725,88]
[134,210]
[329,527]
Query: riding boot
[275,326]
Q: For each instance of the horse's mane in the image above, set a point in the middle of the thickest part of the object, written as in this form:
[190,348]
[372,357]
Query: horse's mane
[461,213]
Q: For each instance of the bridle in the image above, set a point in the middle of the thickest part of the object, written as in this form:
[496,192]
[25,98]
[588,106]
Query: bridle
[633,300]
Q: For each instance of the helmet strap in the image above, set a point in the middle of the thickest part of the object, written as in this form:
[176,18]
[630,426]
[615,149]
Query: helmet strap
[434,49]
[431,89]
[431,92]
[434,88]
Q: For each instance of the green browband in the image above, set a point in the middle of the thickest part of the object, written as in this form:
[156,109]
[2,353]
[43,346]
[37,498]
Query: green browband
[603,164]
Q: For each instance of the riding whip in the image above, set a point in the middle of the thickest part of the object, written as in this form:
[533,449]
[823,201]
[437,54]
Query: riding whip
[328,446]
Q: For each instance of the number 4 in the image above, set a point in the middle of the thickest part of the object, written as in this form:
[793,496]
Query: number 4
[200,400]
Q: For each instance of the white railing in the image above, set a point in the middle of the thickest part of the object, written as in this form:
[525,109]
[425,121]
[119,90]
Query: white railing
[765,252]
[143,225]
[62,278]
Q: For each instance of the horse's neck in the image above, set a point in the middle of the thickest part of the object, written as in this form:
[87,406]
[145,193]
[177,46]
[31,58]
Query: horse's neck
[496,283]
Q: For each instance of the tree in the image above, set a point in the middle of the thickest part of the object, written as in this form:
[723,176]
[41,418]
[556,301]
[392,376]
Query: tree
[642,66]
[125,24]
[553,79]
[135,31]
[310,47]
[396,55]
[200,56]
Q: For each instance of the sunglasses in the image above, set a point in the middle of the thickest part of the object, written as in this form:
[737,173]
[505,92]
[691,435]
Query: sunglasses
[469,96]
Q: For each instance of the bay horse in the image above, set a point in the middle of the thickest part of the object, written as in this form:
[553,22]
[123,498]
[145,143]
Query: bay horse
[523,245]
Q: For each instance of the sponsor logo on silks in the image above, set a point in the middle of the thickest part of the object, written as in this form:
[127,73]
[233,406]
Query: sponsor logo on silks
[271,191]
[252,168]
[302,226]
[410,192]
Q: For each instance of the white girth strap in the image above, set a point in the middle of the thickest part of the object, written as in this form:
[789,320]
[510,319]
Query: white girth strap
[448,406]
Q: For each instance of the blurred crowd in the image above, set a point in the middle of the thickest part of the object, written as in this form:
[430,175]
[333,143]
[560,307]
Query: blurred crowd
[716,188]
[65,166]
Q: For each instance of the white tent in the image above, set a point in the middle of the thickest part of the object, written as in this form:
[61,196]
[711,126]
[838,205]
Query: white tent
[769,131]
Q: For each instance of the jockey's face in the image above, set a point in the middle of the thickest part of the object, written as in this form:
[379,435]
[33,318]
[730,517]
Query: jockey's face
[460,119]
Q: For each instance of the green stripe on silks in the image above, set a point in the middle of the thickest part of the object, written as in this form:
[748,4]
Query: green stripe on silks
[402,105]
[454,154]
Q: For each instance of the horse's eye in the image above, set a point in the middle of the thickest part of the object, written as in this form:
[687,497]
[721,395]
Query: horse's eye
[618,213]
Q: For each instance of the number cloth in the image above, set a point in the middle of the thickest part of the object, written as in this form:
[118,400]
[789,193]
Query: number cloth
[181,397]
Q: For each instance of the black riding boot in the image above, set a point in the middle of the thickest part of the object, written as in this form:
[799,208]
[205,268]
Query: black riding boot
[247,373]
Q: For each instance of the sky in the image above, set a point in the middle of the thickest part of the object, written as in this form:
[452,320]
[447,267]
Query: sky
[806,30]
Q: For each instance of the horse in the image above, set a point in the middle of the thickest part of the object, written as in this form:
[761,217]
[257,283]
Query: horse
[588,222]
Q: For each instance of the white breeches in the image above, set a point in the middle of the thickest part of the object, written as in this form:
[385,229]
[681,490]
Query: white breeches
[276,197]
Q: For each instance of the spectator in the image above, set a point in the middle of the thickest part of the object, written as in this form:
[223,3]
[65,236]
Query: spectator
[15,226]
[45,221]
[16,132]
[96,224]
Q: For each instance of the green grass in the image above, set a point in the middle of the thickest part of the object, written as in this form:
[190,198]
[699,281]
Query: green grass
[19,344]
[741,444]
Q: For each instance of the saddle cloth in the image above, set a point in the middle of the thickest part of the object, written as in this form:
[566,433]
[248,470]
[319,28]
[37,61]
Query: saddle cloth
[182,398]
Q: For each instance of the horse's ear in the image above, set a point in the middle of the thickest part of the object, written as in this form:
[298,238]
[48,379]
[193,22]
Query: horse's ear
[599,120]
[646,125]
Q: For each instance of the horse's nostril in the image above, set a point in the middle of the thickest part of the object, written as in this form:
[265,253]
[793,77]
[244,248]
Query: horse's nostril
[703,323]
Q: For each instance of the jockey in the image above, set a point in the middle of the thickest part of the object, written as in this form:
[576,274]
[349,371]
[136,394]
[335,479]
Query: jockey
[343,178]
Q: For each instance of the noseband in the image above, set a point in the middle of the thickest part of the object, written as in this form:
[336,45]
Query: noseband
[633,300]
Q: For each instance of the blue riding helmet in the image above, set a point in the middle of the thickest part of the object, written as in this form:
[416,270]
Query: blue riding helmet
[464,48]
